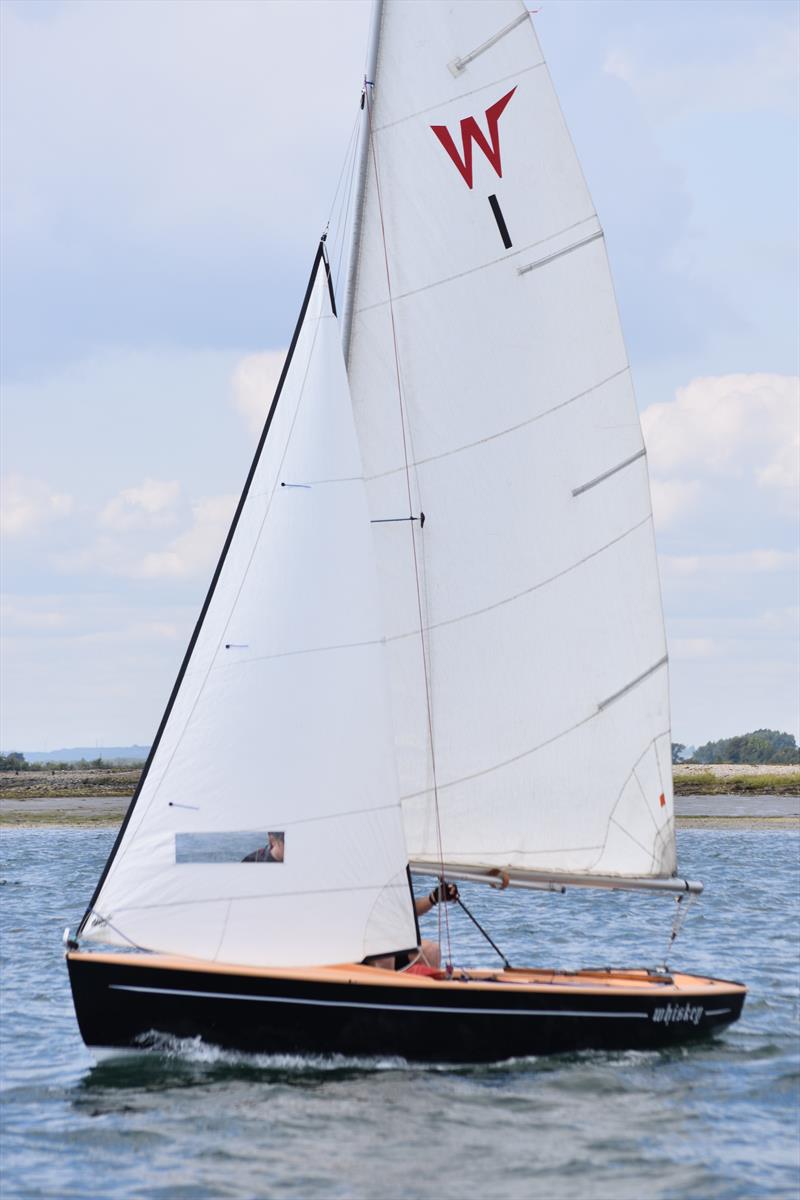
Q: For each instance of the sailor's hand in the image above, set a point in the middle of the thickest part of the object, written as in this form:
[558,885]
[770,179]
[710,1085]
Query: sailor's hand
[445,891]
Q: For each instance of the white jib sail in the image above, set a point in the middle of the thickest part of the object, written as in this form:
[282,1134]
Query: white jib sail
[280,725]
[486,338]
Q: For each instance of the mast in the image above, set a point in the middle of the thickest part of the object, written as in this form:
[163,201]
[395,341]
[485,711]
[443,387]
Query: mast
[361,179]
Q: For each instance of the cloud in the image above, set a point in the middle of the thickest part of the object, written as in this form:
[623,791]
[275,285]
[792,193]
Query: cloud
[672,498]
[760,76]
[728,424]
[748,562]
[27,505]
[152,503]
[196,550]
[128,550]
[24,614]
[215,177]
[253,386]
[692,647]
[106,672]
[743,428]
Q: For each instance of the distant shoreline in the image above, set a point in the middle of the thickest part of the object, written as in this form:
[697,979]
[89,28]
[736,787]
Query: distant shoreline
[89,782]
[772,810]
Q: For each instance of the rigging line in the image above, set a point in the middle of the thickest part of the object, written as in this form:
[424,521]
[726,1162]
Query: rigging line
[371,140]
[345,161]
[104,921]
[349,199]
[478,926]
[683,903]
[179,740]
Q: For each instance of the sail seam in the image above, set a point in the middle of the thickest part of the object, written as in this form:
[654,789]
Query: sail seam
[633,683]
[440,104]
[491,437]
[659,843]
[507,762]
[578,491]
[492,262]
[190,902]
[291,822]
[648,747]
[246,662]
[647,849]
[478,612]
[649,812]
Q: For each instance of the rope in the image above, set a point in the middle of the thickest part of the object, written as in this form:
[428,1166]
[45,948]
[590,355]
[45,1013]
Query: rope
[681,913]
[478,925]
[425,665]
[335,218]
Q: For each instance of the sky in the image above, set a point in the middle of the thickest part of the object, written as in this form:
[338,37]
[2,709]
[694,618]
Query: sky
[166,171]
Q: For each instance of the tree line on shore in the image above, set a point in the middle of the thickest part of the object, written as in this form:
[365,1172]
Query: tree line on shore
[761,747]
[14,761]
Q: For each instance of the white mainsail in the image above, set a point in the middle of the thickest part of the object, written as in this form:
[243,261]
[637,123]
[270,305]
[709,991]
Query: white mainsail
[280,720]
[492,392]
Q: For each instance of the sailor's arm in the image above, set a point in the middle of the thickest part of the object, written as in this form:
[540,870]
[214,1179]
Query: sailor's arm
[447,892]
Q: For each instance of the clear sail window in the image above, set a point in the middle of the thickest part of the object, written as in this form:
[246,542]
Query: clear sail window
[230,847]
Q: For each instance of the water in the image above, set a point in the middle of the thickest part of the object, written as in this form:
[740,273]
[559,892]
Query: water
[717,1120]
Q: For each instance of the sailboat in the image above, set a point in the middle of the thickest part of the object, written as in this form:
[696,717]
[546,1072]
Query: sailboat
[433,643]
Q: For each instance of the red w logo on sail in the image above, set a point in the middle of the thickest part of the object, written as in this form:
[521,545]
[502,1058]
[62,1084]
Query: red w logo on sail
[472,132]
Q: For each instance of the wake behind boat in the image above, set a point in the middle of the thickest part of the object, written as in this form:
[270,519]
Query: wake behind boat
[434,637]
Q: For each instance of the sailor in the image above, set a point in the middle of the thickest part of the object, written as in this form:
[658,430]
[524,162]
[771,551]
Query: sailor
[272,852]
[428,958]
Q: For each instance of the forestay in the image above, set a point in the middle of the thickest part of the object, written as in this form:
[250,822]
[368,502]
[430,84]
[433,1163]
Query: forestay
[280,721]
[492,392]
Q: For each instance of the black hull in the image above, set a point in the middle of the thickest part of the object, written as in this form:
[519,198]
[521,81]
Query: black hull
[121,1001]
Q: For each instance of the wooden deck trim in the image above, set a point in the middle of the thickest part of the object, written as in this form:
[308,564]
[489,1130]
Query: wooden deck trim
[620,982]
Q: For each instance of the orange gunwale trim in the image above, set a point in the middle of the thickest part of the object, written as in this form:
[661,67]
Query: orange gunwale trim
[620,981]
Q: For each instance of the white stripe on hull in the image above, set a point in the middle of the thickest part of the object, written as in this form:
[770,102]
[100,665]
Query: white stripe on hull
[492,1012]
